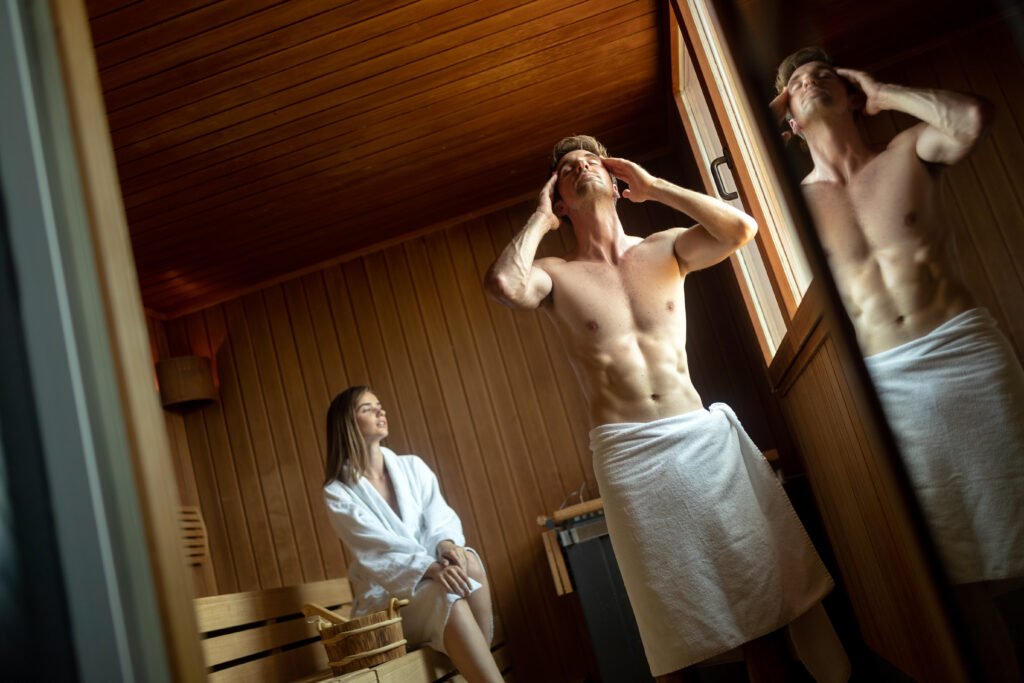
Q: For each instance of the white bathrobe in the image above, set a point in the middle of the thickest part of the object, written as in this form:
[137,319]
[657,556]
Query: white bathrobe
[955,401]
[392,552]
[711,552]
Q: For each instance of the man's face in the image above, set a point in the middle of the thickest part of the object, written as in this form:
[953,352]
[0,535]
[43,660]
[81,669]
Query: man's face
[582,173]
[815,89]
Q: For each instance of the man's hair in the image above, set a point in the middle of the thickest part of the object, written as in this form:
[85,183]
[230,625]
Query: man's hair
[573,143]
[804,55]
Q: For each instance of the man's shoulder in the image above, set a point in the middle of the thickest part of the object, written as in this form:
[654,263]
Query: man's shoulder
[550,262]
[666,233]
[907,137]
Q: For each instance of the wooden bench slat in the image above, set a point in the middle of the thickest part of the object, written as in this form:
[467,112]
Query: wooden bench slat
[284,666]
[422,665]
[228,647]
[236,609]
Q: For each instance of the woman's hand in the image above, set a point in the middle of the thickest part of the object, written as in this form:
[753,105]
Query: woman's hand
[452,577]
[449,553]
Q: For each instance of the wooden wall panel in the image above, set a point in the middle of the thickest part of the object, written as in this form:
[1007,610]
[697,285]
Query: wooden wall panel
[878,552]
[484,394]
[984,194]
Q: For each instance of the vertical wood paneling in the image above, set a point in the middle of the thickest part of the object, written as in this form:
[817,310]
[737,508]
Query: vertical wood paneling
[485,395]
[242,453]
[228,490]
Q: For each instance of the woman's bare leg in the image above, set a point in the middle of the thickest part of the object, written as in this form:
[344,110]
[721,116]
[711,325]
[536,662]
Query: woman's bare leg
[467,648]
[480,600]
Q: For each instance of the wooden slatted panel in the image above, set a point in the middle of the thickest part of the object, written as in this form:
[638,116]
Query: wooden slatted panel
[193,535]
[237,609]
[484,394]
[296,132]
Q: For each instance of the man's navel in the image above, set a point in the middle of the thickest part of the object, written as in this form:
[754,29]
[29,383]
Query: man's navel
[910,218]
[593,326]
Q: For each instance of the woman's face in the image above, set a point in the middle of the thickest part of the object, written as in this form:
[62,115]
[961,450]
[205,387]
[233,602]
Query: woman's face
[371,418]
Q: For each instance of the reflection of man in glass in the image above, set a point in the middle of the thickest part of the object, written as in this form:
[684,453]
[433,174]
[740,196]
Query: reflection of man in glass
[952,388]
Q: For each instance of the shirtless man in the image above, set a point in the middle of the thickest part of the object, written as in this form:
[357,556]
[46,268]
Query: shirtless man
[617,301]
[947,377]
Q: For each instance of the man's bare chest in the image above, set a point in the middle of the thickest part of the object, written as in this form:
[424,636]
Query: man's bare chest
[881,208]
[602,297]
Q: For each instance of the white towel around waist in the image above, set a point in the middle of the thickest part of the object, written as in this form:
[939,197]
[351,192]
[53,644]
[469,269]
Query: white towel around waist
[710,549]
[955,401]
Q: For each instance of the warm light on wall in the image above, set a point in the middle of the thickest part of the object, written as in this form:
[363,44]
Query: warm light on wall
[185,382]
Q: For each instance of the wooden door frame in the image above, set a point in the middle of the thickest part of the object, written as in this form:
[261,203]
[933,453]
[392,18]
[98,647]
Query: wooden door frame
[129,498]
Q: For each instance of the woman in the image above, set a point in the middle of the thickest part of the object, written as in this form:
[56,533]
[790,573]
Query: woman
[407,542]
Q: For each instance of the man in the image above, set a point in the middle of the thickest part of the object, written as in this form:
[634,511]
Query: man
[710,550]
[951,385]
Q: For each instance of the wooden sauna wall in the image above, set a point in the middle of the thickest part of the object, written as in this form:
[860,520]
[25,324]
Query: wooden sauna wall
[483,394]
[984,193]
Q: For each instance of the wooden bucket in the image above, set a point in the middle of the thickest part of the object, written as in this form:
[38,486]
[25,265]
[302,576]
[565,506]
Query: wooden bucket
[354,644]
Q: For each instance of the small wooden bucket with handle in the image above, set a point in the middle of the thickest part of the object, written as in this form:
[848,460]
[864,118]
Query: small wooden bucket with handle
[359,643]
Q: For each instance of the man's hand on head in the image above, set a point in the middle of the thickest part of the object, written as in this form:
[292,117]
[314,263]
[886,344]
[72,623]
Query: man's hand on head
[780,108]
[640,182]
[871,88]
[545,204]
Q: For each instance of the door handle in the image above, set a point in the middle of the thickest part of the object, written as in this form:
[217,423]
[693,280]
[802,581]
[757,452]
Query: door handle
[717,176]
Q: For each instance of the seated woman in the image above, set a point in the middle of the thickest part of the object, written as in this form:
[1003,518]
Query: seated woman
[406,541]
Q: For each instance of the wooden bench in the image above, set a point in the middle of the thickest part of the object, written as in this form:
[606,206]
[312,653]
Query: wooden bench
[263,636]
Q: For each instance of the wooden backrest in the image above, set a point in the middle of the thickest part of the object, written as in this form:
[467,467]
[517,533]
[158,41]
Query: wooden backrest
[262,635]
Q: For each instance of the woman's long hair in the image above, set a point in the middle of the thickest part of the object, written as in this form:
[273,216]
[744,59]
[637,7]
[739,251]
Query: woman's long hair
[347,454]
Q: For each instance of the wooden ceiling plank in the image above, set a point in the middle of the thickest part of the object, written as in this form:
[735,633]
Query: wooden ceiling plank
[402,142]
[450,30]
[297,85]
[286,47]
[138,16]
[334,230]
[498,146]
[172,40]
[99,8]
[468,98]
[304,118]
[256,227]
[292,139]
[249,281]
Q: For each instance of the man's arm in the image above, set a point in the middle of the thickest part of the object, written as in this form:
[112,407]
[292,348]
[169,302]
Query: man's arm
[721,229]
[513,279]
[955,122]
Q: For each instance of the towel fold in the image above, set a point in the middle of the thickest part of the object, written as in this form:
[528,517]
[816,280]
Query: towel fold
[955,401]
[711,551]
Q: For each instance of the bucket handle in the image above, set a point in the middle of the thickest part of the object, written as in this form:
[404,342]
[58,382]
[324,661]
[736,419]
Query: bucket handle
[312,609]
[394,605]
